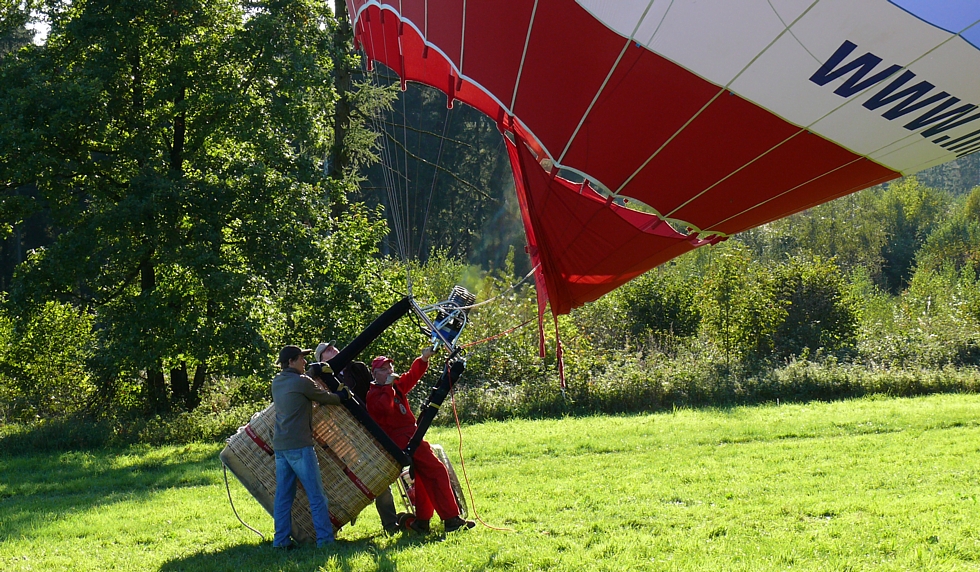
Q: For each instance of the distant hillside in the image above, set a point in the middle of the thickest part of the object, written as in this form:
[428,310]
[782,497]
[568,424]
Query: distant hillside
[957,177]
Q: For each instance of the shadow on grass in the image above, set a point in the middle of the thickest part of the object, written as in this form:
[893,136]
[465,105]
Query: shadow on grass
[52,485]
[344,554]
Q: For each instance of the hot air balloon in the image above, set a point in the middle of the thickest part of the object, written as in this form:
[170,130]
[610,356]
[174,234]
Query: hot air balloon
[683,123]
[687,121]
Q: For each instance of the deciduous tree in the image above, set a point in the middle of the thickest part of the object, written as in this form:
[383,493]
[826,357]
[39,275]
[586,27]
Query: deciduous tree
[178,146]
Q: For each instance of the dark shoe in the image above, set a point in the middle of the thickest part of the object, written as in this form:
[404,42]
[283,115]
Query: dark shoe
[393,528]
[403,520]
[419,525]
[287,547]
[455,523]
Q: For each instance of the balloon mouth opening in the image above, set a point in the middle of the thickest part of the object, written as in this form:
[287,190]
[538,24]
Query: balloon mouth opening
[587,184]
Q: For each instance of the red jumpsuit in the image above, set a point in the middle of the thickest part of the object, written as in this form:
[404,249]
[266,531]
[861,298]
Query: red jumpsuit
[390,409]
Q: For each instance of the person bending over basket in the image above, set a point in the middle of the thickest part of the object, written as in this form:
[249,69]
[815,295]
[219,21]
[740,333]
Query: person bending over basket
[357,377]
[293,394]
[388,406]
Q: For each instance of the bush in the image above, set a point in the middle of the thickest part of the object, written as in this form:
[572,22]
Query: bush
[740,311]
[956,240]
[77,433]
[820,314]
[509,356]
[662,305]
[42,363]
[924,341]
[805,380]
[933,324]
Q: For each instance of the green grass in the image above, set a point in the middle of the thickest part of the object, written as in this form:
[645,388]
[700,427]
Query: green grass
[870,484]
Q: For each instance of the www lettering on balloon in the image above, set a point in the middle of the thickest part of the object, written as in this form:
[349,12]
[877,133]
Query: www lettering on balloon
[902,98]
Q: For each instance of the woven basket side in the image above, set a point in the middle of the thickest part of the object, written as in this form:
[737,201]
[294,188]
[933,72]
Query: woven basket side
[354,467]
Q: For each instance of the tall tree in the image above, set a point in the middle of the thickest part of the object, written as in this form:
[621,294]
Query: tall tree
[908,211]
[179,146]
[358,103]
[739,311]
[16,239]
[13,27]
[955,241]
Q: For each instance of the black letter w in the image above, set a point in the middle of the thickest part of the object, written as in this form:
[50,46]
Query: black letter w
[861,66]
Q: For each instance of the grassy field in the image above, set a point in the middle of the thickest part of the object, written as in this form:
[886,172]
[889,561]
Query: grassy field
[872,484]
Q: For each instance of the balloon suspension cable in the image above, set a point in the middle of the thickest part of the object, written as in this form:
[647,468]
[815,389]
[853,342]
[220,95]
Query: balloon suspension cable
[505,291]
[405,244]
[396,182]
[435,175]
[407,208]
[499,335]
[228,488]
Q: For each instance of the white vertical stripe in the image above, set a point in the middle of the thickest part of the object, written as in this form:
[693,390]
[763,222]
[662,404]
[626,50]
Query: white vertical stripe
[612,69]
[520,71]
[462,39]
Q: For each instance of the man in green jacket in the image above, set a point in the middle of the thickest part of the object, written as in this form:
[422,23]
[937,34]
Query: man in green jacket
[293,394]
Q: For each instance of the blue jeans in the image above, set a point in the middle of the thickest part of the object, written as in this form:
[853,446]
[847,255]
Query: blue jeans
[301,464]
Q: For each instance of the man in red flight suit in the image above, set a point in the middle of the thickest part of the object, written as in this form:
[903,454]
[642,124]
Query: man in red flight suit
[388,406]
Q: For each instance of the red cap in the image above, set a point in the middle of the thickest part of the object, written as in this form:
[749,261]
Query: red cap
[380,361]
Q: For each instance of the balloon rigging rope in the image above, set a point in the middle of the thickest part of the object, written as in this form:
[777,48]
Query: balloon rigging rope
[399,191]
[435,173]
[500,335]
[406,248]
[418,166]
[508,289]
[395,186]
[396,178]
[398,185]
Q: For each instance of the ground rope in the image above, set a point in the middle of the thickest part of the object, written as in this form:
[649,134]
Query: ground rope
[228,488]
[462,463]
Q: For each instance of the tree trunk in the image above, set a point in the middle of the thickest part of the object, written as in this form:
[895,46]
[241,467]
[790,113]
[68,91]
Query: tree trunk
[156,391]
[194,399]
[179,388]
[156,384]
[148,276]
[339,159]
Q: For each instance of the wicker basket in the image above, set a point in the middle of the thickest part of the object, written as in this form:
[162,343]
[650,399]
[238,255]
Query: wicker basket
[354,466]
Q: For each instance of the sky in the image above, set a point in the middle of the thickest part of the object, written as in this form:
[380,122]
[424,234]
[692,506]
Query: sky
[40,30]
